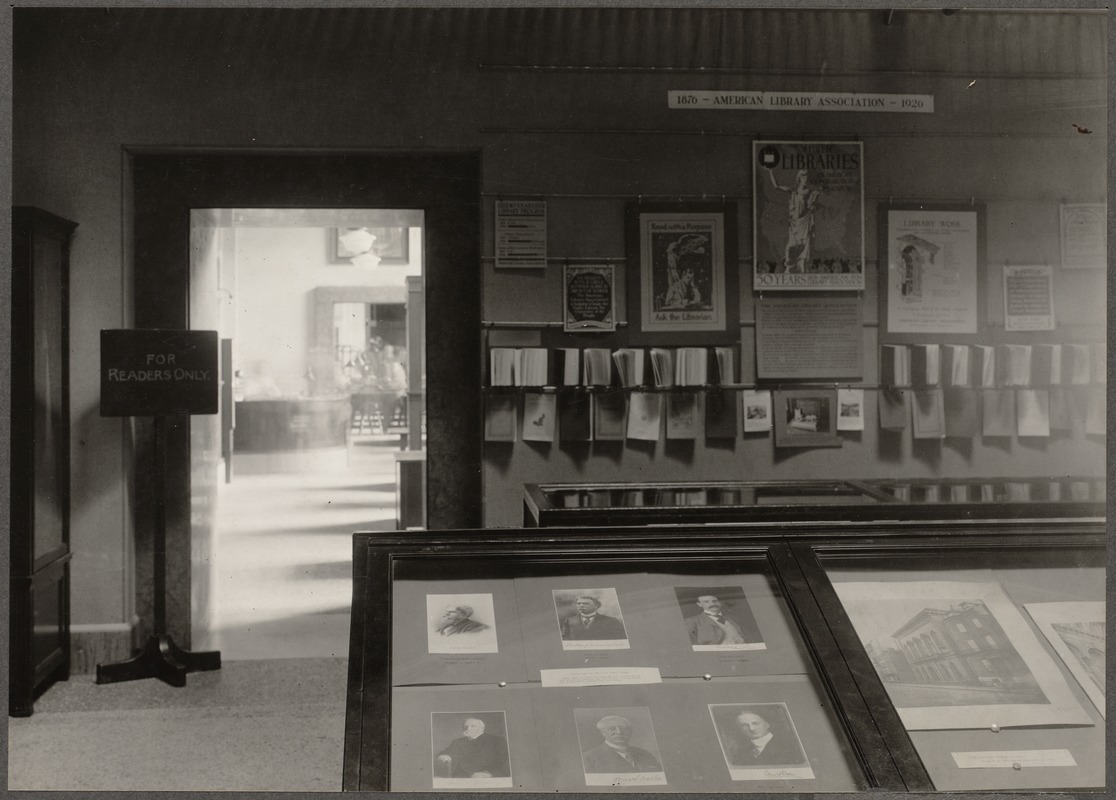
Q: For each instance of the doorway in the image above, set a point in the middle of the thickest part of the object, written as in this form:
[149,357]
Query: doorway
[314,413]
[166,186]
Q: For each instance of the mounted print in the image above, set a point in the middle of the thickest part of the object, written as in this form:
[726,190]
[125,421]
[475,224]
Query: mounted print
[806,418]
[808,218]
[934,262]
[682,273]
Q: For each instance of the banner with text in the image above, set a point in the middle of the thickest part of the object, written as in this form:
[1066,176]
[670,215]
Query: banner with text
[802,101]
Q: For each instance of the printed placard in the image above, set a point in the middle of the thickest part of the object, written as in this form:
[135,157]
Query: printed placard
[1028,298]
[1084,235]
[1013,759]
[521,233]
[599,676]
[801,101]
[588,299]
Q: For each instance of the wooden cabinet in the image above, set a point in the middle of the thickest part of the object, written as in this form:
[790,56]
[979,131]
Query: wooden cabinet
[39,632]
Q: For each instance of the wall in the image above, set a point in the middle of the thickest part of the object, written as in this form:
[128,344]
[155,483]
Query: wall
[88,82]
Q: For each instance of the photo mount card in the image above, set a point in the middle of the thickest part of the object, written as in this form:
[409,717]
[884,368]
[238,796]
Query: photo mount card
[850,409]
[421,654]
[1015,684]
[427,720]
[1077,632]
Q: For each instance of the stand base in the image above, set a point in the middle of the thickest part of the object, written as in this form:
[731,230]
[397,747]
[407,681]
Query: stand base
[160,658]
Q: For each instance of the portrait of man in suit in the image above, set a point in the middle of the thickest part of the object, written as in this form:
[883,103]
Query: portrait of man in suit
[587,622]
[461,623]
[718,618]
[456,619]
[616,753]
[757,735]
[474,753]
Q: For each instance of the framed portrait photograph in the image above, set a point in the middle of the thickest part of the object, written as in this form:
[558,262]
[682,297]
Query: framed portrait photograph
[390,244]
[932,275]
[806,418]
[759,742]
[718,618]
[469,750]
[808,221]
[682,279]
[618,747]
[958,654]
[590,619]
[460,623]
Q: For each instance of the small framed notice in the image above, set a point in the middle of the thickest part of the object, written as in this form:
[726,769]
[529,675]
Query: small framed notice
[1028,298]
[1084,235]
[521,234]
[588,299]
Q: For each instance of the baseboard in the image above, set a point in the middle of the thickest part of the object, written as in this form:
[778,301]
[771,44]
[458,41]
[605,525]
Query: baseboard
[104,643]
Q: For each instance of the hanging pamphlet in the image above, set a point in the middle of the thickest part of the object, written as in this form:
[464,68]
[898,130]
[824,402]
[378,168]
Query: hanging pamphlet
[521,233]
[1028,298]
[808,215]
[1084,236]
[933,262]
[588,299]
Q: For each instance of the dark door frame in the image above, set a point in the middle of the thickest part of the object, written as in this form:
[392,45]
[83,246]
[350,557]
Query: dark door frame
[167,183]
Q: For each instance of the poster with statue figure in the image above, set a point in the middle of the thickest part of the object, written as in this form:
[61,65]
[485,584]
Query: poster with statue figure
[808,215]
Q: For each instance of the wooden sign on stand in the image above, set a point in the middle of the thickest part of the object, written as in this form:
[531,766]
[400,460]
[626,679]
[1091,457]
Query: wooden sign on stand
[159,373]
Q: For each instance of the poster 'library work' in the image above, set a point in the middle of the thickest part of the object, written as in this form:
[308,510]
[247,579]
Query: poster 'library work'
[808,215]
[934,271]
[682,273]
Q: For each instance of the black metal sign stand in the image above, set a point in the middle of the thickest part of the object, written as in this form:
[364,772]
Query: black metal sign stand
[160,658]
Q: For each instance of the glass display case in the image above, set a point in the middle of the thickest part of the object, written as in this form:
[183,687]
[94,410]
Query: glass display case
[587,666]
[688,503]
[987,653]
[729,659]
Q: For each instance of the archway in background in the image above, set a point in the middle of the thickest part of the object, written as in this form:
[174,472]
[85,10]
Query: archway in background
[166,185]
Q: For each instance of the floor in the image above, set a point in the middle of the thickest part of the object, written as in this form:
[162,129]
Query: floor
[272,718]
[282,577]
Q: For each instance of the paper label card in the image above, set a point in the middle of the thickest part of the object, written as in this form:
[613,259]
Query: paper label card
[1013,759]
[599,676]
[850,409]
